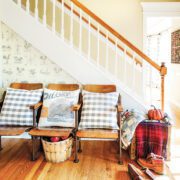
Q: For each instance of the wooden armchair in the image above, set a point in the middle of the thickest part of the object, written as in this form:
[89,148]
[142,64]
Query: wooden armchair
[18,130]
[102,134]
[56,131]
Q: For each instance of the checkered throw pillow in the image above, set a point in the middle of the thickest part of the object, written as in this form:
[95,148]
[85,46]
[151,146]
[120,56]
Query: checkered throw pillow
[15,110]
[99,110]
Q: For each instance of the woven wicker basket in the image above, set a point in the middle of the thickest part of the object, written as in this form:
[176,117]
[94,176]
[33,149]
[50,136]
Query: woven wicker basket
[57,151]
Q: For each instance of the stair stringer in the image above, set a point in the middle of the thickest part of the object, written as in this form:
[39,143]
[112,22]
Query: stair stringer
[61,52]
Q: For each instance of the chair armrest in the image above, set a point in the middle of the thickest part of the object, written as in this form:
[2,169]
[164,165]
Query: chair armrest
[76,107]
[119,108]
[1,103]
[36,106]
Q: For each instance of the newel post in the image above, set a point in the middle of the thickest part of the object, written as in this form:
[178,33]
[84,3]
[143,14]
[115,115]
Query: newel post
[163,72]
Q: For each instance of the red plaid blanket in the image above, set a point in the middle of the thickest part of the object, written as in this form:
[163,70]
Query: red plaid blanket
[151,137]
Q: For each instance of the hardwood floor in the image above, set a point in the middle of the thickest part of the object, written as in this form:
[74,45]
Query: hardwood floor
[97,161]
[174,164]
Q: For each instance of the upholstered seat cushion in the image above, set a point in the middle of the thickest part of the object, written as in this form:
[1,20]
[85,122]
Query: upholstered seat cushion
[99,110]
[56,110]
[16,107]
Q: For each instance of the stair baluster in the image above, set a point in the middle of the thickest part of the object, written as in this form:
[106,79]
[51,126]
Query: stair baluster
[27,6]
[116,59]
[134,71]
[36,10]
[44,12]
[62,19]
[80,31]
[19,3]
[71,26]
[144,79]
[143,89]
[54,17]
[124,64]
[107,50]
[150,84]
[98,42]
[89,37]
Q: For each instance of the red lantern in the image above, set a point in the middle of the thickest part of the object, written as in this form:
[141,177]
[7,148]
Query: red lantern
[155,114]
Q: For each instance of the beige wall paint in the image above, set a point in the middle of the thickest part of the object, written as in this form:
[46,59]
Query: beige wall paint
[125,16]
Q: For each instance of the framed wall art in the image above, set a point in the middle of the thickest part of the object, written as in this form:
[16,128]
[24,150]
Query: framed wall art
[175,47]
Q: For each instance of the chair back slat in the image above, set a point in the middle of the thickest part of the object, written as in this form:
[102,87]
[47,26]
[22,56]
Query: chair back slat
[26,86]
[99,88]
[63,87]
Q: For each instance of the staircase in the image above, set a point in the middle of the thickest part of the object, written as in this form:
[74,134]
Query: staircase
[86,47]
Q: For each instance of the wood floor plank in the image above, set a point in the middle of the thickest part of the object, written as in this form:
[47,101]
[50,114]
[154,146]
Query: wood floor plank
[14,167]
[31,173]
[44,167]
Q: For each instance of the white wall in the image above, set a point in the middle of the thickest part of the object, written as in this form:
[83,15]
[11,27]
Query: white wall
[174,82]
[165,25]
[174,71]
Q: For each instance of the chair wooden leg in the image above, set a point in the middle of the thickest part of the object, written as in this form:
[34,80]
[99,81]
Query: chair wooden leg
[79,149]
[120,150]
[0,144]
[40,145]
[33,148]
[76,160]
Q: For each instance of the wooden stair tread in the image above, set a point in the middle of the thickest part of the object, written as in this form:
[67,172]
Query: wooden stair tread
[50,131]
[98,133]
[12,131]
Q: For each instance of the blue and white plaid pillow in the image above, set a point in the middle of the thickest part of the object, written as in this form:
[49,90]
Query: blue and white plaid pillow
[99,110]
[15,110]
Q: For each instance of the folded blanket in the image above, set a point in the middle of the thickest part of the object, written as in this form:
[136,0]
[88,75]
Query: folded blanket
[151,137]
[130,121]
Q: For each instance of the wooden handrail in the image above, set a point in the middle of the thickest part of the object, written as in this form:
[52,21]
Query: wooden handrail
[116,34]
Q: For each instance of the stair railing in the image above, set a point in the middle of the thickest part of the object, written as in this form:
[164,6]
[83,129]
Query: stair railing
[121,46]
